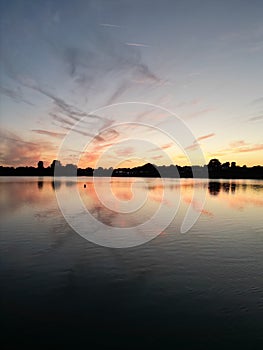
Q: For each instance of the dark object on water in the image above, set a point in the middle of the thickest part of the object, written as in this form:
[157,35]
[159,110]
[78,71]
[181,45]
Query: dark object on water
[84,185]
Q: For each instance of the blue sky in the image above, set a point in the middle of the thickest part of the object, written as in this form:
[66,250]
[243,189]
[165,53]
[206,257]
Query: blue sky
[63,60]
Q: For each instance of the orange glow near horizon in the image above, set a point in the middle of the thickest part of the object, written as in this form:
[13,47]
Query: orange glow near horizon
[23,156]
[91,161]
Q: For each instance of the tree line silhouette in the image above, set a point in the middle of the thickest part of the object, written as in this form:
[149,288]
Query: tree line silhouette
[214,169]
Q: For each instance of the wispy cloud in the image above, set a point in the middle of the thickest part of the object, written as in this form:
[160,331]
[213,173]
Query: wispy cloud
[188,103]
[157,157]
[253,119]
[49,133]
[238,143]
[251,148]
[15,95]
[167,145]
[73,113]
[63,120]
[161,147]
[110,25]
[144,72]
[136,44]
[109,134]
[83,133]
[200,113]
[257,101]
[141,116]
[195,145]
[239,146]
[125,152]
[120,89]
[100,62]
[78,60]
[205,136]
[98,136]
[89,65]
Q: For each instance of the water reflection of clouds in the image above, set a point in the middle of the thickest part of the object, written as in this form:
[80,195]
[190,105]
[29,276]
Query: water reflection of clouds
[197,206]
[14,195]
[235,194]
[243,202]
[122,190]
[113,216]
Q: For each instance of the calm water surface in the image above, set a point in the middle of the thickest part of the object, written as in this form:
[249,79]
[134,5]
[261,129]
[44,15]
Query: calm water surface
[201,289]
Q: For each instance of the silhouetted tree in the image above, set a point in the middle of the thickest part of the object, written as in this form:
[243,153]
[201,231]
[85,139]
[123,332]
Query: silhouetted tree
[40,165]
[56,167]
[214,164]
[70,170]
[55,163]
[215,170]
[225,165]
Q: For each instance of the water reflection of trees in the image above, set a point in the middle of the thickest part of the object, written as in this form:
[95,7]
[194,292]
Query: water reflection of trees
[15,195]
[121,190]
[214,188]
[70,183]
[226,187]
[55,185]
[40,184]
[233,188]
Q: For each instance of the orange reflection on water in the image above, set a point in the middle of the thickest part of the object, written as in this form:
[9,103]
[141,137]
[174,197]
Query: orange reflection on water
[141,198]
[198,206]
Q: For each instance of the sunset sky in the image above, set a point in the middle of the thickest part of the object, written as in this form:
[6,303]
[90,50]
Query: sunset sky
[194,61]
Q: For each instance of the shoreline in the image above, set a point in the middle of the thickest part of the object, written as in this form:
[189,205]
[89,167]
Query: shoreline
[129,177]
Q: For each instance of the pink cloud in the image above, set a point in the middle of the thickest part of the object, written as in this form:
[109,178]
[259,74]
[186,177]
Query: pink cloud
[242,146]
[238,143]
[202,112]
[198,206]
[15,151]
[165,146]
[193,147]
[157,157]
[205,136]
[196,145]
[251,148]
[126,152]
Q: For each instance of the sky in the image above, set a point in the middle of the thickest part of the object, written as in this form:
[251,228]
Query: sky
[121,83]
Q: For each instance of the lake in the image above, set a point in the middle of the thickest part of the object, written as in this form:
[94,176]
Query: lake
[194,290]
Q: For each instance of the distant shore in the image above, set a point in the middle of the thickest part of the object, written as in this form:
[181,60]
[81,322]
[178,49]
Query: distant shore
[214,170]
